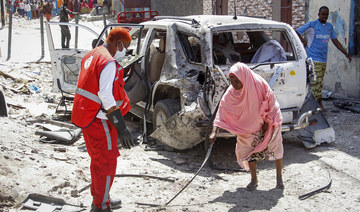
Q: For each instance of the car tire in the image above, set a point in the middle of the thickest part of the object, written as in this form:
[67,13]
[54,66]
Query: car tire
[163,110]
[3,110]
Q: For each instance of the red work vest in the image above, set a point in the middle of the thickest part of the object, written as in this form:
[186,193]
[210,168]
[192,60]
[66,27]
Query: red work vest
[87,103]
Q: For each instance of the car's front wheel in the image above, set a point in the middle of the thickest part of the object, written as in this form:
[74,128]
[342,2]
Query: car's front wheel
[163,110]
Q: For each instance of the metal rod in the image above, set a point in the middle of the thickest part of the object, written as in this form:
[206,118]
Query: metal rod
[134,175]
[202,165]
[9,36]
[312,193]
[104,19]
[209,149]
[76,31]
[3,11]
[148,204]
[235,17]
[42,37]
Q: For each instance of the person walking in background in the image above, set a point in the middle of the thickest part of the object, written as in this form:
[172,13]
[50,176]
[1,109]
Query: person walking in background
[316,45]
[96,7]
[84,8]
[59,2]
[17,6]
[77,6]
[250,110]
[22,8]
[38,9]
[33,9]
[65,32]
[70,6]
[91,4]
[55,8]
[107,5]
[99,106]
[12,5]
[47,8]
[27,8]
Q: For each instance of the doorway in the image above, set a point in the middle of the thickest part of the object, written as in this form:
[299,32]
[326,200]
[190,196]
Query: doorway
[286,11]
[221,7]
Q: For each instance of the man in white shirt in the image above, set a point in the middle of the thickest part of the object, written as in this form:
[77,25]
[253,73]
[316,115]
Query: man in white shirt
[27,8]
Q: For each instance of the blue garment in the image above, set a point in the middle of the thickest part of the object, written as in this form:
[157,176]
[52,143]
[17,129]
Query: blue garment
[318,36]
[28,15]
[12,6]
[56,8]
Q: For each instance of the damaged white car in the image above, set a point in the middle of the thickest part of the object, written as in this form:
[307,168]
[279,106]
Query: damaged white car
[179,67]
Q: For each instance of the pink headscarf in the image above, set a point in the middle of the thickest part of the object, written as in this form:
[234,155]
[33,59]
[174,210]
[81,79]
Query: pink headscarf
[244,111]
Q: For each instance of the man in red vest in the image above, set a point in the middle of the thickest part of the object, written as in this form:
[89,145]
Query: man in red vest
[99,106]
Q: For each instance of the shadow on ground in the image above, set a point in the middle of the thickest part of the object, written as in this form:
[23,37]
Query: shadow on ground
[223,158]
[250,200]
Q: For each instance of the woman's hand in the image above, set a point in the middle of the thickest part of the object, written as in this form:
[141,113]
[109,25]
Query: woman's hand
[212,136]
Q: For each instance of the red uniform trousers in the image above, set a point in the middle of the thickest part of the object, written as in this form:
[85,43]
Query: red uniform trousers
[101,142]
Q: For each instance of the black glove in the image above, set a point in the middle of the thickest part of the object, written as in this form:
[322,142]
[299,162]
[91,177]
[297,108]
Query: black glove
[124,135]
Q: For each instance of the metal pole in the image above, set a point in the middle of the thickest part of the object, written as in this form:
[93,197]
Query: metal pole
[9,36]
[104,19]
[235,17]
[3,12]
[42,35]
[76,31]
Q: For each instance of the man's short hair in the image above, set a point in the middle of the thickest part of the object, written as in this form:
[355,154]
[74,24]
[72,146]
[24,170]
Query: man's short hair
[323,7]
[119,33]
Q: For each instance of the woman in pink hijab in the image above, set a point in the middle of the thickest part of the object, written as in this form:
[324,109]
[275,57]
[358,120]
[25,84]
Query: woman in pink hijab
[250,110]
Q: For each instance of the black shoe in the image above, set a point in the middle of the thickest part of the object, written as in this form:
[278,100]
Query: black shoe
[95,209]
[115,203]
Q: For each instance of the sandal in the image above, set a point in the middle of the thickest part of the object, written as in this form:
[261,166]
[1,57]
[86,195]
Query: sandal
[251,188]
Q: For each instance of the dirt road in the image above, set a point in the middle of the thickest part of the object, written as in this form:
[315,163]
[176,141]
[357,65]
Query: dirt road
[29,166]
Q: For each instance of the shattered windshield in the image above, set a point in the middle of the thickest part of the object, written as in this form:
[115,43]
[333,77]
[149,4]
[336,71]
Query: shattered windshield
[251,47]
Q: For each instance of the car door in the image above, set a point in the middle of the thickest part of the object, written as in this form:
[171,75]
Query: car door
[66,62]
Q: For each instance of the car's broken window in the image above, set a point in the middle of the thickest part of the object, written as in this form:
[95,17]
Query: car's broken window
[252,46]
[191,46]
[135,33]
[224,49]
[156,54]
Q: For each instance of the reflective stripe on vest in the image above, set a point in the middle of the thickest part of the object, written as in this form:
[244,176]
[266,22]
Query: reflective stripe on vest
[119,103]
[88,95]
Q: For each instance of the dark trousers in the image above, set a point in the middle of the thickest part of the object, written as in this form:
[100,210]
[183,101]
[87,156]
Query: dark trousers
[65,36]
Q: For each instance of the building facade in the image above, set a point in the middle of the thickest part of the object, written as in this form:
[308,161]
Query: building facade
[177,7]
[289,11]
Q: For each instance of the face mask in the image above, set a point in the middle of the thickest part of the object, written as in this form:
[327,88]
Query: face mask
[120,54]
